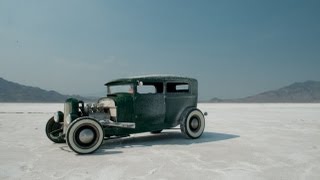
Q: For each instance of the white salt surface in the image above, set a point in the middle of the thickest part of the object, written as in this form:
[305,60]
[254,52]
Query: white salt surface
[241,141]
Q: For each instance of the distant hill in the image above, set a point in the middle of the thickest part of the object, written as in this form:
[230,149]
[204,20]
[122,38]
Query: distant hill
[14,92]
[300,92]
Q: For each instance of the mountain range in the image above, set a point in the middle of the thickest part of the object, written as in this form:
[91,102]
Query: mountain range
[299,92]
[14,92]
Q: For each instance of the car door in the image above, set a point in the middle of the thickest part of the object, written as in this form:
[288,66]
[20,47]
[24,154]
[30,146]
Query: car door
[178,98]
[149,106]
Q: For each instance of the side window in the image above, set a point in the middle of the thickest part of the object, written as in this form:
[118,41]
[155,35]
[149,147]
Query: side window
[178,87]
[146,89]
[150,88]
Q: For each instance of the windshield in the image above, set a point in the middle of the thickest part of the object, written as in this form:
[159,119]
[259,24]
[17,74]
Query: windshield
[123,88]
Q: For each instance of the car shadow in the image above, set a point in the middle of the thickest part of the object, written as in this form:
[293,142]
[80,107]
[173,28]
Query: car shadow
[164,138]
[169,137]
[98,152]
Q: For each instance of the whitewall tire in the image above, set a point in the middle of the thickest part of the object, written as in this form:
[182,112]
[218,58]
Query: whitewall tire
[192,125]
[84,135]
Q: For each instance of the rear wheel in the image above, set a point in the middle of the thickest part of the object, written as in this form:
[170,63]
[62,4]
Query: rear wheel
[54,131]
[84,135]
[192,125]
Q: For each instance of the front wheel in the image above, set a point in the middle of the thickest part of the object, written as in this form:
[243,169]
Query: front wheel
[84,135]
[54,131]
[192,125]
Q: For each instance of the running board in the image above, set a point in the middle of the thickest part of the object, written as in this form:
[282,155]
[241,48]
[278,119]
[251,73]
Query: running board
[109,123]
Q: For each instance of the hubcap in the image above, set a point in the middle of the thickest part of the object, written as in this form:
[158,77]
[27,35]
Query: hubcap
[194,123]
[86,136]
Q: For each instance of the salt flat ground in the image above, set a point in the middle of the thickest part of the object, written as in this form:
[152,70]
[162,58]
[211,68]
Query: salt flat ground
[241,141]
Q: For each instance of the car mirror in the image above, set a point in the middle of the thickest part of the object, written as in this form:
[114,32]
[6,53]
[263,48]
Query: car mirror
[140,83]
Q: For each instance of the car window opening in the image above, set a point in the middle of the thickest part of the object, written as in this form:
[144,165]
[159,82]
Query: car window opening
[150,88]
[178,87]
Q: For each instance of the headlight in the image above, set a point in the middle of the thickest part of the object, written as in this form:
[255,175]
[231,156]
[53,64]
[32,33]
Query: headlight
[69,119]
[58,117]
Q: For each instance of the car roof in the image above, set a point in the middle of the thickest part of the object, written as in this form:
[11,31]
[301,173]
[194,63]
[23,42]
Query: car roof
[156,78]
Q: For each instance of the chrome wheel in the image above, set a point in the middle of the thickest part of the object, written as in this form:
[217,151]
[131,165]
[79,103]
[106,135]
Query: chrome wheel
[194,123]
[86,136]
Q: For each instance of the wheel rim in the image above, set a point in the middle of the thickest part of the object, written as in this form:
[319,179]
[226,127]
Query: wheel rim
[86,136]
[194,124]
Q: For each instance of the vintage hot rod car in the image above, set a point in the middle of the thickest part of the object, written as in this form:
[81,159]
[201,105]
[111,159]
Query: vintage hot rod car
[132,105]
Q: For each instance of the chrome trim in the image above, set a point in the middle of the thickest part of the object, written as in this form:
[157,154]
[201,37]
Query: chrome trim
[56,117]
[68,119]
[86,136]
[67,111]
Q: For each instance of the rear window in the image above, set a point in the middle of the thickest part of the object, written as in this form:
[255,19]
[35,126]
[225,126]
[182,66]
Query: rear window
[178,87]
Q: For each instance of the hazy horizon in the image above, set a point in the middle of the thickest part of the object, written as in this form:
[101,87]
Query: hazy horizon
[234,48]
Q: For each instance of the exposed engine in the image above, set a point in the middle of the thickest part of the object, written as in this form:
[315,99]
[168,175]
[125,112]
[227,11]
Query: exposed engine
[104,109]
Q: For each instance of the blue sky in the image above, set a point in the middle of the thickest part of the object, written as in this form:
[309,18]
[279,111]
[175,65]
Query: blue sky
[234,48]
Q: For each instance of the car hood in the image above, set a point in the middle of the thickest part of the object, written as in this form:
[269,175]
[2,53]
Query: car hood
[124,104]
